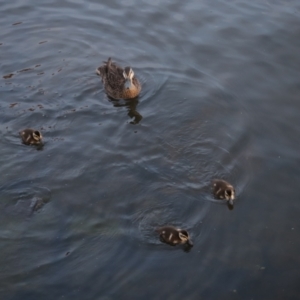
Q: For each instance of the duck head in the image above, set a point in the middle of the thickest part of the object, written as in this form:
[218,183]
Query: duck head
[37,136]
[229,195]
[128,75]
[184,237]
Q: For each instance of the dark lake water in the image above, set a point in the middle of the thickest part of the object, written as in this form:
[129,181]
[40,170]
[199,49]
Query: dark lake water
[220,99]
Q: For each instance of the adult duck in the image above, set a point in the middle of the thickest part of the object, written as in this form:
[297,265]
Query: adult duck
[119,83]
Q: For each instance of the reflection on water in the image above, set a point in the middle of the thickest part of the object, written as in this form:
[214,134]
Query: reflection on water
[219,99]
[131,106]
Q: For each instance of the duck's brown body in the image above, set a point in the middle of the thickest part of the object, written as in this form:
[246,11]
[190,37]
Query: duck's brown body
[223,190]
[31,137]
[119,83]
[174,236]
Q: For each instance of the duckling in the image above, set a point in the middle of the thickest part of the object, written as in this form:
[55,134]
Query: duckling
[31,137]
[119,83]
[174,236]
[223,190]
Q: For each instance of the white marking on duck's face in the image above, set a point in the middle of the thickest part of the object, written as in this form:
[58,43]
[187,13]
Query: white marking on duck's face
[229,194]
[128,73]
[183,237]
[131,74]
[36,135]
[170,237]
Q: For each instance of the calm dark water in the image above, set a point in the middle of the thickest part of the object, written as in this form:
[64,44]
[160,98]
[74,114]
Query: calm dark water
[220,99]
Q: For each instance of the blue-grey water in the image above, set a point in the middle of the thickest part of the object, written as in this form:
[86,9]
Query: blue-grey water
[220,99]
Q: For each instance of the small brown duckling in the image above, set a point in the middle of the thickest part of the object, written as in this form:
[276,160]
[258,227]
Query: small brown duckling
[174,236]
[31,137]
[223,190]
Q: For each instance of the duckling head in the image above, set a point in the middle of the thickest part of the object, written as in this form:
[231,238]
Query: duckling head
[184,237]
[128,75]
[229,195]
[37,136]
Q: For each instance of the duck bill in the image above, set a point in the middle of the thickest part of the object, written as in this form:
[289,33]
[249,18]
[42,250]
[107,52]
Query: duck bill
[190,243]
[128,84]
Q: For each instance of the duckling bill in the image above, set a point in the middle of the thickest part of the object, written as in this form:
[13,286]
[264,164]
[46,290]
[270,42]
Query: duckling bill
[31,137]
[174,236]
[223,190]
[119,83]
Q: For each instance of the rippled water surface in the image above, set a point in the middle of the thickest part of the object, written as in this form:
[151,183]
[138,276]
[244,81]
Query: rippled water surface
[220,99]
